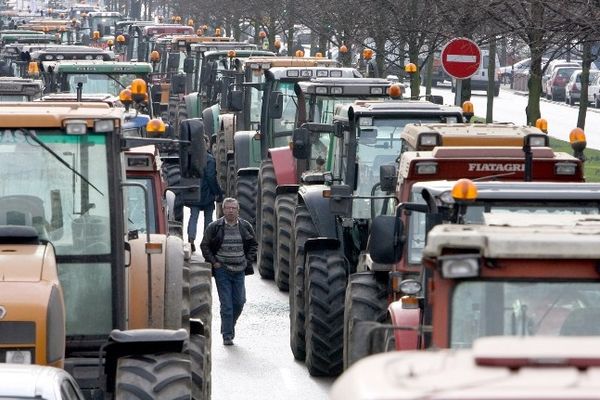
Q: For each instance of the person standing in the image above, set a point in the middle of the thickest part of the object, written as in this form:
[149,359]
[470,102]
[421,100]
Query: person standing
[210,191]
[229,244]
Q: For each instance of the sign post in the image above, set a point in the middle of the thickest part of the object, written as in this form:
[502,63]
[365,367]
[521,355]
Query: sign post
[460,59]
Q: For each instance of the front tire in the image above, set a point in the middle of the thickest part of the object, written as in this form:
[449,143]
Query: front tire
[154,376]
[366,301]
[303,229]
[246,189]
[325,292]
[284,211]
[266,224]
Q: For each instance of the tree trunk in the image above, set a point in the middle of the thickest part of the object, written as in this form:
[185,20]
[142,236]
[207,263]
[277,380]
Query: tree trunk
[380,54]
[415,79]
[428,72]
[491,88]
[585,78]
[534,84]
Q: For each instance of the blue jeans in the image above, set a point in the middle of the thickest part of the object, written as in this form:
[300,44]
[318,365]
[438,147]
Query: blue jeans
[193,222]
[232,296]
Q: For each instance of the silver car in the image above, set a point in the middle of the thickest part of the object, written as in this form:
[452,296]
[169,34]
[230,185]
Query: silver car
[19,381]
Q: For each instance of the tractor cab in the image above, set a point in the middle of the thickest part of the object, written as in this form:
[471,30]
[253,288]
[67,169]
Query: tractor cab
[20,89]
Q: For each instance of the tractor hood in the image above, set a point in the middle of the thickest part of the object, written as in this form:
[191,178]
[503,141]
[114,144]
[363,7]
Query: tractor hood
[22,262]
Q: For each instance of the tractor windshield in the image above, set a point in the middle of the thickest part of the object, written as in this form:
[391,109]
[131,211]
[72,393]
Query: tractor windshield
[517,308]
[61,188]
[97,83]
[256,96]
[476,212]
[136,207]
[283,127]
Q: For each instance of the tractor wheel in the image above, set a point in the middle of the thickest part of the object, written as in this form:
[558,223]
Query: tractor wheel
[181,114]
[325,291]
[231,179]
[366,300]
[303,229]
[221,160]
[266,214]
[246,195]
[201,295]
[185,296]
[200,358]
[154,376]
[284,211]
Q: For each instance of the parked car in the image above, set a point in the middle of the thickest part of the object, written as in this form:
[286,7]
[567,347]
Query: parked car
[573,88]
[507,72]
[552,65]
[479,81]
[594,91]
[556,83]
[25,381]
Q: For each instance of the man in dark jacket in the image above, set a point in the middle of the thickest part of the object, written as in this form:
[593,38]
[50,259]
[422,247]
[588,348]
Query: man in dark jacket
[229,244]
[209,192]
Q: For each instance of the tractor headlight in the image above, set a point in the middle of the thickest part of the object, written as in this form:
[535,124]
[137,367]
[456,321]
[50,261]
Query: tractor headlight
[460,266]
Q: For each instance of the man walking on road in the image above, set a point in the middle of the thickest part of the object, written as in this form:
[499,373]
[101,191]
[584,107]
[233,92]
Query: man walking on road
[229,244]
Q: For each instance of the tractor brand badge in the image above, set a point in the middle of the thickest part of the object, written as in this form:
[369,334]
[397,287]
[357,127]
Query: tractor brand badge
[2,312]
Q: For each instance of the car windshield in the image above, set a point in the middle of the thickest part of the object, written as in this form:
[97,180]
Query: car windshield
[518,308]
[476,212]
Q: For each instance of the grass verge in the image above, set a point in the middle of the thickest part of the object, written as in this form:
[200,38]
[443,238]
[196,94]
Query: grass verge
[591,166]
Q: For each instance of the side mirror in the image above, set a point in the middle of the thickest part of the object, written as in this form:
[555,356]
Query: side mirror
[387,177]
[341,200]
[188,65]
[301,144]
[380,247]
[173,62]
[276,105]
[192,156]
[170,198]
[236,100]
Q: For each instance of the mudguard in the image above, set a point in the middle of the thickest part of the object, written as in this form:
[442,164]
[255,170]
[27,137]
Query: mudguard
[405,339]
[138,342]
[282,189]
[284,165]
[318,207]
[210,117]
[192,105]
[228,129]
[246,150]
[173,282]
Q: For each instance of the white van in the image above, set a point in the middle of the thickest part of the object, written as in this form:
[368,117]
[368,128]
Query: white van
[479,81]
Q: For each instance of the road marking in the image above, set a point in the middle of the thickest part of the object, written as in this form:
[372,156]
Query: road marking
[461,58]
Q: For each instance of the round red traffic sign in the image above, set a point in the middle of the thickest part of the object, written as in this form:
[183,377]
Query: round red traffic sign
[461,58]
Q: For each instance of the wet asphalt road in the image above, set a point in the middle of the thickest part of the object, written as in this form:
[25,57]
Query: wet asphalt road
[260,364]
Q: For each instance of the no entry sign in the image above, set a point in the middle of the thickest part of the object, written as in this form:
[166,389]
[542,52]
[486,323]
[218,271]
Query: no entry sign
[461,58]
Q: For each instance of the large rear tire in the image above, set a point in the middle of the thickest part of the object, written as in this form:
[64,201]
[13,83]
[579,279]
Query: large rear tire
[325,292]
[221,159]
[200,358]
[284,211]
[154,376]
[231,179]
[201,308]
[246,189]
[303,229]
[266,223]
[366,300]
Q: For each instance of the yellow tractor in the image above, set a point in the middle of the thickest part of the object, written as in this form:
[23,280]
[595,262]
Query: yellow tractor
[62,204]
